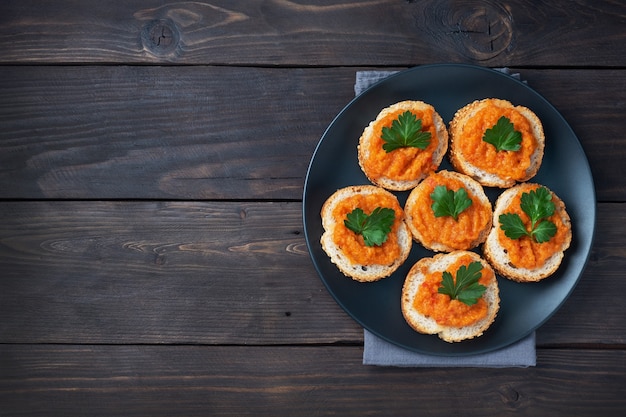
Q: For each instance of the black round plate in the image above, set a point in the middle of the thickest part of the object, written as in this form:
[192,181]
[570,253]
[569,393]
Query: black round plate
[448,87]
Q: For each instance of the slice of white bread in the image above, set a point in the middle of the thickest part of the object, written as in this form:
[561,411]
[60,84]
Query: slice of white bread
[467,232]
[372,134]
[483,175]
[362,272]
[428,325]
[497,255]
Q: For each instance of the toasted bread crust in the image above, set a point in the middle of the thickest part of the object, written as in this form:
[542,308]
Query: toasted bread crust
[428,325]
[369,134]
[416,225]
[358,272]
[497,255]
[486,178]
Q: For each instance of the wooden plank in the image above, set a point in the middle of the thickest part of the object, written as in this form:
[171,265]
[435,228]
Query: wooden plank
[217,273]
[173,133]
[167,132]
[279,32]
[73,380]
[161,272]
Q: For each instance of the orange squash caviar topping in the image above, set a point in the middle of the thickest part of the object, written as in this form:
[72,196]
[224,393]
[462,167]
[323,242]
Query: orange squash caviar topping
[441,307]
[352,244]
[405,163]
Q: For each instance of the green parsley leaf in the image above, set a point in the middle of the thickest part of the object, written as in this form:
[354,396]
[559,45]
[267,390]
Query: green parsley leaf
[405,131]
[448,202]
[512,225]
[544,231]
[465,288]
[538,205]
[374,228]
[503,136]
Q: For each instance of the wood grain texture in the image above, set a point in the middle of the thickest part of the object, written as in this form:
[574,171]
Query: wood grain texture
[161,273]
[152,161]
[285,32]
[183,132]
[296,381]
[178,133]
[217,273]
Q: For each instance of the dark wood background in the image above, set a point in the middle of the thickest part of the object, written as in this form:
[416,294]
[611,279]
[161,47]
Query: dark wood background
[152,160]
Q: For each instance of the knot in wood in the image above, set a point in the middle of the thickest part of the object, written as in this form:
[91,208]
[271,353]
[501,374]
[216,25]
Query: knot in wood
[485,31]
[160,37]
[510,396]
[480,31]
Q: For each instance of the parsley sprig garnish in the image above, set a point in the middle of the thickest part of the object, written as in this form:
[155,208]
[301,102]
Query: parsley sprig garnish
[503,136]
[374,228]
[538,205]
[465,288]
[405,131]
[449,202]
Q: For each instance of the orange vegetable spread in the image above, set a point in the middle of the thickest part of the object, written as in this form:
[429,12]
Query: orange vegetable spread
[404,163]
[525,252]
[352,244]
[440,307]
[457,234]
[507,164]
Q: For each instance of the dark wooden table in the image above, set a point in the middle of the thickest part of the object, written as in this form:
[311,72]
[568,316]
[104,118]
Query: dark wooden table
[152,160]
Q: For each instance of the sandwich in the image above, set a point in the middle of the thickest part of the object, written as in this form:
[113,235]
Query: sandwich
[453,295]
[448,211]
[531,231]
[496,143]
[405,142]
[365,234]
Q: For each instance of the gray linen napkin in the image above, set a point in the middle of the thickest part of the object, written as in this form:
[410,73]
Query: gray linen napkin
[379,352]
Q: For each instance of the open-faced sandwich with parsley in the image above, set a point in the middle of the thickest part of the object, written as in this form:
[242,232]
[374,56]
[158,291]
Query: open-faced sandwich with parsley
[453,295]
[365,234]
[448,211]
[531,231]
[405,142]
[496,143]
